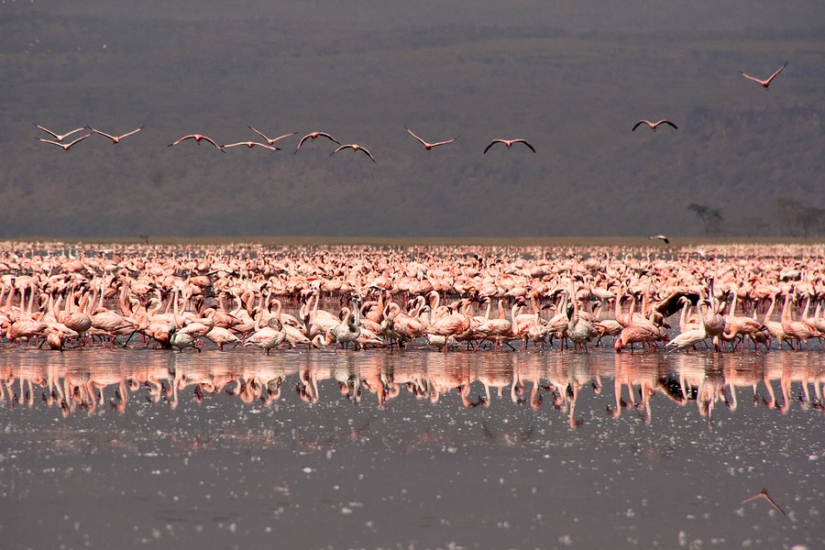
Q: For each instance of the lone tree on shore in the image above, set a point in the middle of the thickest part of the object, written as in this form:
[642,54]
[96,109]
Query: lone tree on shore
[711,217]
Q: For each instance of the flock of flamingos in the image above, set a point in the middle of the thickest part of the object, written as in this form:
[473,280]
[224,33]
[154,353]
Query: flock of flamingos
[447,298]
[60,140]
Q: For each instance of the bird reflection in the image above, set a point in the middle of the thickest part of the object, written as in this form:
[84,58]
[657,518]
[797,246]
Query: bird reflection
[380,380]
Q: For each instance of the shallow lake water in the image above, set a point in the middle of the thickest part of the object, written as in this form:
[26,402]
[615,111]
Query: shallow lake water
[104,448]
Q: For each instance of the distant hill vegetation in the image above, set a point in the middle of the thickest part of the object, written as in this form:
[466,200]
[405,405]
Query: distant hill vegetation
[753,157]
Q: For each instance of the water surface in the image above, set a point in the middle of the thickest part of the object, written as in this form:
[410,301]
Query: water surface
[420,449]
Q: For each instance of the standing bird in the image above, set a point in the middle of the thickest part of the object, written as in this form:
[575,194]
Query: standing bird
[313,136]
[269,140]
[660,237]
[198,138]
[65,146]
[509,143]
[116,139]
[429,146]
[766,83]
[653,125]
[354,147]
[251,144]
[59,137]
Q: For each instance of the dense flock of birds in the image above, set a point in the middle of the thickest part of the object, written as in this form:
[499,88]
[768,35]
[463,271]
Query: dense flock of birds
[449,298]
[60,140]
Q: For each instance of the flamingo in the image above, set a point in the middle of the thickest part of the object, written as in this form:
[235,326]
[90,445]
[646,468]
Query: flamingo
[65,146]
[661,238]
[766,83]
[59,137]
[116,139]
[350,329]
[269,140]
[691,336]
[429,146]
[313,136]
[509,143]
[268,337]
[653,125]
[198,138]
[354,147]
[182,340]
[251,144]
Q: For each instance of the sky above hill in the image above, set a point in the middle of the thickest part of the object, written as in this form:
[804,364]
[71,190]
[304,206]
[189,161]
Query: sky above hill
[570,77]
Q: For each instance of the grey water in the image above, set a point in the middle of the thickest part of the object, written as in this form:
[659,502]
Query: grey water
[105,448]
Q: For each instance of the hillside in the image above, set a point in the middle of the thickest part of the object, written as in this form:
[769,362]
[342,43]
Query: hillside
[573,94]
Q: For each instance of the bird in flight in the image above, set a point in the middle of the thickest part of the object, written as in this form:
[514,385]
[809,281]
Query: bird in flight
[115,139]
[313,136]
[354,147]
[56,136]
[764,494]
[429,146]
[65,146]
[661,238]
[653,125]
[269,140]
[766,83]
[198,138]
[509,143]
[252,144]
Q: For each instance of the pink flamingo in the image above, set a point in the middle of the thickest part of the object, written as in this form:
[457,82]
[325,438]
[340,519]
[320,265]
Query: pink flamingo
[269,140]
[766,83]
[251,144]
[354,147]
[59,137]
[429,146]
[654,125]
[198,138]
[116,139]
[509,143]
[65,146]
[313,136]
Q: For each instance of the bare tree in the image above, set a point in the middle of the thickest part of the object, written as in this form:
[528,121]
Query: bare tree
[798,220]
[711,218]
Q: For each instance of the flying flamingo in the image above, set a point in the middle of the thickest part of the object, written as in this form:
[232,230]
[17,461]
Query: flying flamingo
[269,140]
[313,136]
[59,137]
[198,138]
[116,139]
[766,83]
[251,144]
[661,238]
[509,143]
[65,146]
[354,147]
[653,125]
[429,146]
[764,494]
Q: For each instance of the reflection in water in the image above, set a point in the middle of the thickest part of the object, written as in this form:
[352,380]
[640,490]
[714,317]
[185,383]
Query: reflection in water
[88,381]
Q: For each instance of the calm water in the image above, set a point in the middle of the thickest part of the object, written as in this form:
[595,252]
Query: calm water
[146,448]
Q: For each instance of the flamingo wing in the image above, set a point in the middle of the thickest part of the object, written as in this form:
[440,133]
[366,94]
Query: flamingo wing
[779,70]
[424,143]
[104,134]
[491,144]
[368,154]
[190,136]
[81,138]
[135,131]
[753,78]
